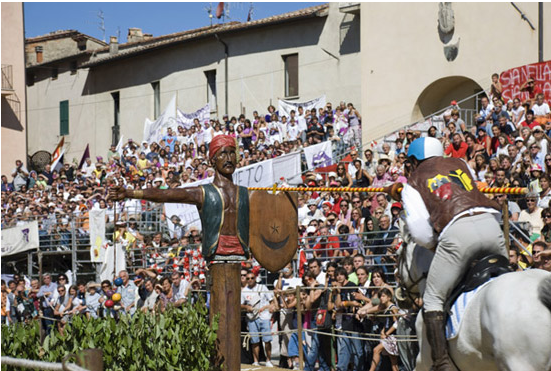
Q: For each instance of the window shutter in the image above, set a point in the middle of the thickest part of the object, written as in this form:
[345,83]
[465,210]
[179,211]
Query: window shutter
[64,117]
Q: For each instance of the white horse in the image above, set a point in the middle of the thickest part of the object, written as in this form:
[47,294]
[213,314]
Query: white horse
[506,325]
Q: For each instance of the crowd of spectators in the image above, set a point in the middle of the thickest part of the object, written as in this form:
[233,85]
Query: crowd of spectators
[61,199]
[347,240]
[56,302]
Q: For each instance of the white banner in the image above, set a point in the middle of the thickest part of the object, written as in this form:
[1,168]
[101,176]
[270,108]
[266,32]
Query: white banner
[255,175]
[288,167]
[110,267]
[188,214]
[154,131]
[19,239]
[286,106]
[186,119]
[97,235]
[319,155]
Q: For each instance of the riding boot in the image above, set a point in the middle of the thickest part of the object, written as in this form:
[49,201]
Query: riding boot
[436,336]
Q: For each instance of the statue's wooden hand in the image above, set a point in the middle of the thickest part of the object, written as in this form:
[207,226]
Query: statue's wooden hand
[117,194]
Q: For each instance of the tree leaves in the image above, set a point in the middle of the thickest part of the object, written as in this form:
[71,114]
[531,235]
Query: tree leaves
[178,339]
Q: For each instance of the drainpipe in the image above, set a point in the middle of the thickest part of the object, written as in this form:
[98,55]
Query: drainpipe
[226,71]
[540,32]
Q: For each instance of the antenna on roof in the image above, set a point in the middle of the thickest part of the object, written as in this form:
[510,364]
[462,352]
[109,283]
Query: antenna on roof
[250,15]
[226,12]
[209,11]
[101,23]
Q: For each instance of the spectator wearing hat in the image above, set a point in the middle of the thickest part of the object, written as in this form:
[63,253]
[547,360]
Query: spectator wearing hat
[313,212]
[532,215]
[331,176]
[382,178]
[540,138]
[396,175]
[395,210]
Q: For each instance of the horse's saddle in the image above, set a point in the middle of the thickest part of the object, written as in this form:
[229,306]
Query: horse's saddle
[482,271]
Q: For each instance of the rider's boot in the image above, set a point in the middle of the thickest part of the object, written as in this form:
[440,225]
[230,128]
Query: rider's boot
[436,336]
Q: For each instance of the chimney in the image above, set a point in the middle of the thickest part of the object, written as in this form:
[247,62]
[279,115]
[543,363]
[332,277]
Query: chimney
[113,45]
[135,35]
[39,57]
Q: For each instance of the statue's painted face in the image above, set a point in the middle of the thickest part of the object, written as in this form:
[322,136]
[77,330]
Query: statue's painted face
[225,160]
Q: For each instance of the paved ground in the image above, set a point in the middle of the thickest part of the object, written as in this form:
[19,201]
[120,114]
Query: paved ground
[259,368]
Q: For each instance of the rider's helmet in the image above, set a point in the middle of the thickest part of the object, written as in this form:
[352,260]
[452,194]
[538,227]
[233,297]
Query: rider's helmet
[426,147]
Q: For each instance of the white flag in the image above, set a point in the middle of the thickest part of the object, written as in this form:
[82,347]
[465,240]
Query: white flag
[286,106]
[319,155]
[155,130]
[97,235]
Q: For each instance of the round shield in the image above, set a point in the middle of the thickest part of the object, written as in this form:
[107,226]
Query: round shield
[273,228]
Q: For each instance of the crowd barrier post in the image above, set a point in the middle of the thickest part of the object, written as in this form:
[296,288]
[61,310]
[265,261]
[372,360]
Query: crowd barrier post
[39,264]
[299,330]
[74,250]
[30,263]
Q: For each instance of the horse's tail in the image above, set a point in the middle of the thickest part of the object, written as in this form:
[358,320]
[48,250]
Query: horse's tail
[544,292]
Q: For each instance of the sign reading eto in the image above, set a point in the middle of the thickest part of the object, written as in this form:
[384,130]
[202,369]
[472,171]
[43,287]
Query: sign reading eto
[273,228]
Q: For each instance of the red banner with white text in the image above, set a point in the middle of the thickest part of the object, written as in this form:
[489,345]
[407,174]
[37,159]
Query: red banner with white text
[512,80]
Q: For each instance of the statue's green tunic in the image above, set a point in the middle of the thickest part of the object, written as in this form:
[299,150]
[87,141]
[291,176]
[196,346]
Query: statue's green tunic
[212,219]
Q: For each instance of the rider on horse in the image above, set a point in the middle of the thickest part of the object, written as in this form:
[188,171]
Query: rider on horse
[445,211]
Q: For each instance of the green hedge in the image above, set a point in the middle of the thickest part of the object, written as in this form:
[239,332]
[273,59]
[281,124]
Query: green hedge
[178,339]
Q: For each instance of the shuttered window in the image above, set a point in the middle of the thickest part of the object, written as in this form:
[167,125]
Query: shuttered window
[64,117]
[291,75]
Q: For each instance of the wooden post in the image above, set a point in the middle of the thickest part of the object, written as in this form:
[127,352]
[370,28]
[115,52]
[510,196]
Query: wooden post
[299,331]
[91,359]
[226,302]
[40,266]
[505,217]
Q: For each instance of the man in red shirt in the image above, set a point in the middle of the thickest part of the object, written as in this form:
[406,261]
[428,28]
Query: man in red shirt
[529,120]
[458,148]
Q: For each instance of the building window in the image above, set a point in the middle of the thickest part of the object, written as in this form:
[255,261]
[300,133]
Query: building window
[211,89]
[156,98]
[116,118]
[81,44]
[39,53]
[291,75]
[73,67]
[30,78]
[64,117]
[55,72]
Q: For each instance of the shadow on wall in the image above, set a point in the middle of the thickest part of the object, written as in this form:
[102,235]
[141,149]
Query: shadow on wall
[350,34]
[160,63]
[441,92]
[10,119]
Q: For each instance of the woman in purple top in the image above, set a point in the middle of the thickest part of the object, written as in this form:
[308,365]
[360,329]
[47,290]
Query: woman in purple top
[246,135]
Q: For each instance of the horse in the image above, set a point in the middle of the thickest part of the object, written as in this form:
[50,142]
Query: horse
[506,325]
